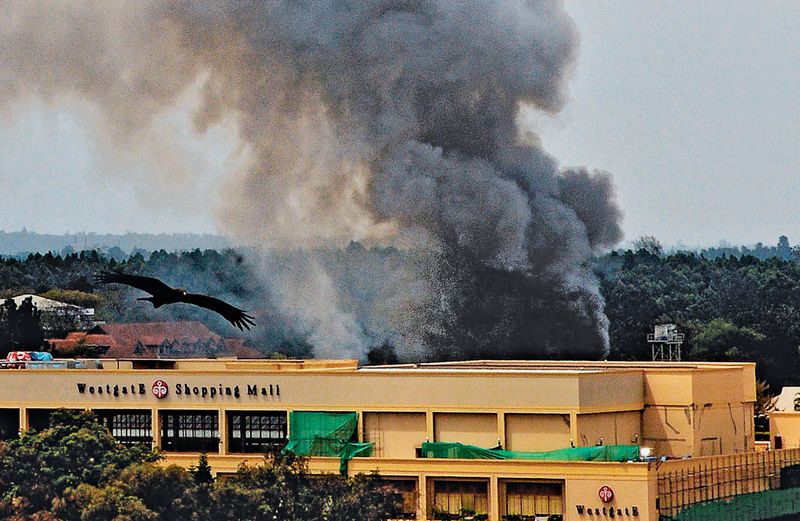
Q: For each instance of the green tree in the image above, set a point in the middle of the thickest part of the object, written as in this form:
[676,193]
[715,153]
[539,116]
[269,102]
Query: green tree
[282,489]
[20,326]
[201,473]
[39,467]
[143,491]
[360,497]
[74,297]
[649,244]
[109,503]
[765,400]
[168,491]
[720,340]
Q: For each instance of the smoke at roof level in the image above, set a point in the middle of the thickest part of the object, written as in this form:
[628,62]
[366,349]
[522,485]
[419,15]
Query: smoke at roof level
[382,121]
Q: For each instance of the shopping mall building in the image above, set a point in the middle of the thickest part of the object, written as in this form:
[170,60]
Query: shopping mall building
[511,440]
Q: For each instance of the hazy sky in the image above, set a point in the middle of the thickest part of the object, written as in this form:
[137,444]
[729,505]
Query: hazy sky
[692,106]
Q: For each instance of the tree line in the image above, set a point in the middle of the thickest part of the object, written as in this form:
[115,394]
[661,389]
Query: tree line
[119,246]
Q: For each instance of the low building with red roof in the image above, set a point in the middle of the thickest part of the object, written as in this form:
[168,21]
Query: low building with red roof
[180,339]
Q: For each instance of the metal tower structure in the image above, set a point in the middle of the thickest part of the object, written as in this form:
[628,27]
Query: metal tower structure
[665,343]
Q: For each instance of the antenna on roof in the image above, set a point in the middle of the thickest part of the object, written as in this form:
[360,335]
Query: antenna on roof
[665,342]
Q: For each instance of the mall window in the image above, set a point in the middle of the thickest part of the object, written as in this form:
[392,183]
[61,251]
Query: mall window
[530,500]
[128,427]
[190,431]
[256,431]
[9,424]
[458,499]
[39,419]
[407,488]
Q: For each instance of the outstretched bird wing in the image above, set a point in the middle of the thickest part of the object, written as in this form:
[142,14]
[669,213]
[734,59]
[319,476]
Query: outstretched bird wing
[234,315]
[148,284]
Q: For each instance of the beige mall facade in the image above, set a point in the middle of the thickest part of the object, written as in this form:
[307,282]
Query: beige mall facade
[236,409]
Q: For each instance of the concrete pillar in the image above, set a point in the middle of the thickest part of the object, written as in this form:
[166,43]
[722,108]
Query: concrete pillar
[155,425]
[223,431]
[573,429]
[422,497]
[494,499]
[501,429]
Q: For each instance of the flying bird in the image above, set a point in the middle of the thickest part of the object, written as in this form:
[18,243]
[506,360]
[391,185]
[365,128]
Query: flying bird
[163,294]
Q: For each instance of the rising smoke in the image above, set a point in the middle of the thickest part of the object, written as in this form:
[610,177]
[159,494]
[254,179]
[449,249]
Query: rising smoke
[387,122]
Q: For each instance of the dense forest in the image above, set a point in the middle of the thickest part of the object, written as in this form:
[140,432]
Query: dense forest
[731,307]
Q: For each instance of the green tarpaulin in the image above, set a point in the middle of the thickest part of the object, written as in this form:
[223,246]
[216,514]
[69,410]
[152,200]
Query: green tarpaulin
[600,453]
[326,434]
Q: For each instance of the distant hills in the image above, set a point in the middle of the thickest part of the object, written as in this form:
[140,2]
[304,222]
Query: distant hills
[24,242]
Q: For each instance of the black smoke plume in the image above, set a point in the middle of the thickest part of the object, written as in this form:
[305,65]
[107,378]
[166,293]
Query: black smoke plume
[388,122]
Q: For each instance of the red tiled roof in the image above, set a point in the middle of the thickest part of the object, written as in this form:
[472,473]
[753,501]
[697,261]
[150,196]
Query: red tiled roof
[76,337]
[138,339]
[238,348]
[184,329]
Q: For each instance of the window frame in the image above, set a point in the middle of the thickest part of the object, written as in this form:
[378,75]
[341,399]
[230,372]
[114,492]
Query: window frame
[119,421]
[249,433]
[189,430]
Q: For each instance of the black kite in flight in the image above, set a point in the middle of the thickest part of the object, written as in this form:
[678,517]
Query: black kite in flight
[163,294]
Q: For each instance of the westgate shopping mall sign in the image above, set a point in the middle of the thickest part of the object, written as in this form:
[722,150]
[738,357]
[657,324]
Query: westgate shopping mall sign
[162,388]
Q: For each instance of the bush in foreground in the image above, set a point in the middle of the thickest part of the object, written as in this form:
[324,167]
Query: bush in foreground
[75,471]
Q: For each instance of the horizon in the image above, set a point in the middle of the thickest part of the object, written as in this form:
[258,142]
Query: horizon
[623,245]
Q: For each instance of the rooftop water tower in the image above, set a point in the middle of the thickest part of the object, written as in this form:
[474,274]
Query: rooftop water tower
[665,342]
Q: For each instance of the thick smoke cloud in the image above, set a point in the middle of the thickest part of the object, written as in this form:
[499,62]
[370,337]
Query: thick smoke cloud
[382,121]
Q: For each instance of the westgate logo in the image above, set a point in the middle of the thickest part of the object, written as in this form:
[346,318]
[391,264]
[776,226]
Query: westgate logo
[160,389]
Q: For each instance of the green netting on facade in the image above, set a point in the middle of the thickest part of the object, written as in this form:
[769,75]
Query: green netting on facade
[601,453]
[759,505]
[326,434]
